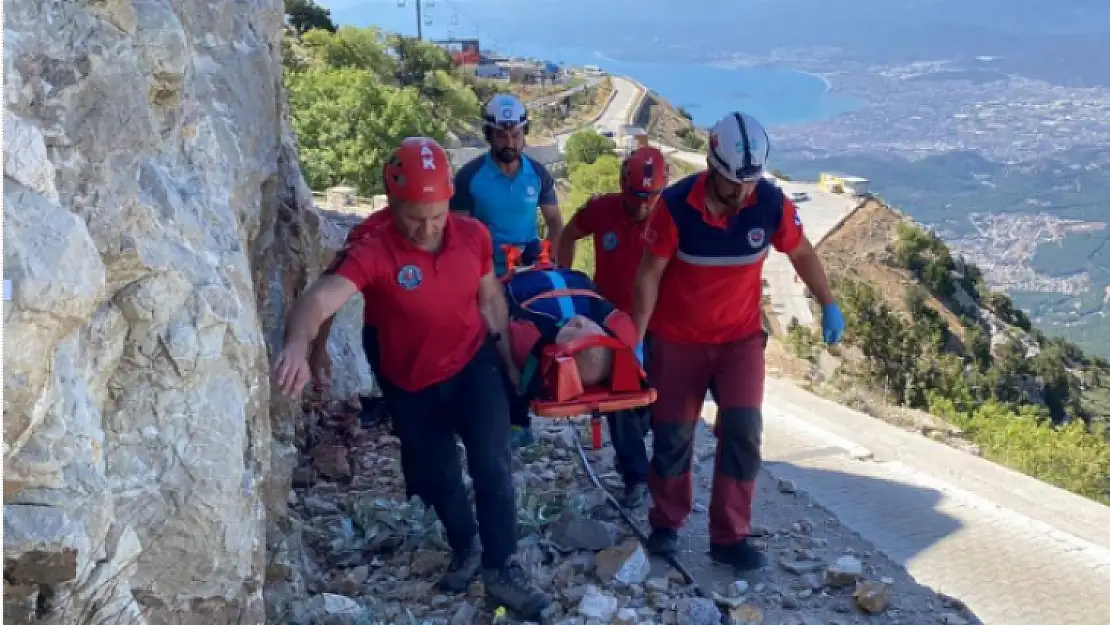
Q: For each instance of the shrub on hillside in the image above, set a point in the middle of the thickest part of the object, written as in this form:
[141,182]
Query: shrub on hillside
[1023,410]
[586,146]
[690,139]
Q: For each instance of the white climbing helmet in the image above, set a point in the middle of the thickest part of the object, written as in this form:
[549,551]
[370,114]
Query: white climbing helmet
[505,110]
[738,147]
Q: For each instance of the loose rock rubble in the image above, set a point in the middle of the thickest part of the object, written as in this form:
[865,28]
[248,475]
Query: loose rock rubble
[373,557]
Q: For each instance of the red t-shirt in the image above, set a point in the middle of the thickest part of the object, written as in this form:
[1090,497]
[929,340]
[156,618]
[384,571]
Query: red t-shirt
[524,334]
[364,227]
[705,303]
[425,305]
[618,246]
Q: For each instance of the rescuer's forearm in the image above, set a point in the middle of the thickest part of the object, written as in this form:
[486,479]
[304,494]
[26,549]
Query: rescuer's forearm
[812,273]
[645,294]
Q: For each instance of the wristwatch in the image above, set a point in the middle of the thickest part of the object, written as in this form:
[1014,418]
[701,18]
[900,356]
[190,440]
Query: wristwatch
[496,336]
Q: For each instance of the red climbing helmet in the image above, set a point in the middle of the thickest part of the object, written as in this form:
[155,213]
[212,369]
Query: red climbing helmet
[644,172]
[418,171]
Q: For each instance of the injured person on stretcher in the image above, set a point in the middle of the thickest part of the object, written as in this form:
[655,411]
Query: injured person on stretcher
[576,354]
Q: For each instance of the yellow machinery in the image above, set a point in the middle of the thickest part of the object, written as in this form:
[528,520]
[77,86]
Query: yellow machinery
[831,183]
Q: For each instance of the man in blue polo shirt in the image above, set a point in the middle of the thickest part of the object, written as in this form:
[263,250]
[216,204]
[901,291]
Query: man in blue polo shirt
[504,189]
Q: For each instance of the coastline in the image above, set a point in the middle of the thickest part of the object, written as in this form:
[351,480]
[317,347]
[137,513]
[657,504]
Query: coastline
[825,79]
[768,65]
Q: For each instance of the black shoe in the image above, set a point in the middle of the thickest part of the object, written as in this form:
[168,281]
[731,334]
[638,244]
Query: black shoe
[510,587]
[634,495]
[740,555]
[662,542]
[463,568]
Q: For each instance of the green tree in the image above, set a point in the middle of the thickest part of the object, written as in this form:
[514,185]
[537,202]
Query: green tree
[305,15]
[587,146]
[915,300]
[347,123]
[356,92]
[360,48]
[911,243]
[452,99]
[417,59]
[978,347]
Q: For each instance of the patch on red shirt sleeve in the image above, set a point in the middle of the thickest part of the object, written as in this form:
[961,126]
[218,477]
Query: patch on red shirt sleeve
[790,232]
[660,234]
[522,338]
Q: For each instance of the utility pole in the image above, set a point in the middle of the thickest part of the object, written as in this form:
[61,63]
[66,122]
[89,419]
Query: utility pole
[419,17]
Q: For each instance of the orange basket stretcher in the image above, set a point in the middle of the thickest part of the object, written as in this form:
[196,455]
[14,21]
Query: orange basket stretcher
[563,395]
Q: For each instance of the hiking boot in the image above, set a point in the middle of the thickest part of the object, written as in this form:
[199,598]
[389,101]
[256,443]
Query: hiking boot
[662,542]
[634,495]
[463,568]
[521,437]
[510,587]
[739,555]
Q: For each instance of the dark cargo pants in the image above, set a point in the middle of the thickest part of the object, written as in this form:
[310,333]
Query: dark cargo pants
[683,374]
[472,405]
[627,429]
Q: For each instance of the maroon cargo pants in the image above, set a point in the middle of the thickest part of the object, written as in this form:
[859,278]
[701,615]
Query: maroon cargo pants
[682,375]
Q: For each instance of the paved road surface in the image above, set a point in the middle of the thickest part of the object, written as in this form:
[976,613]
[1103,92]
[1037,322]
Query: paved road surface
[1016,550]
[616,115]
[819,214]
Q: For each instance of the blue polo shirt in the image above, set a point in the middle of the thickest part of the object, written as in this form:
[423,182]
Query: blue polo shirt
[508,206]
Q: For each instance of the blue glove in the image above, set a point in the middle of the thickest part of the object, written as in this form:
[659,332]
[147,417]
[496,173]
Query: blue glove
[832,323]
[640,353]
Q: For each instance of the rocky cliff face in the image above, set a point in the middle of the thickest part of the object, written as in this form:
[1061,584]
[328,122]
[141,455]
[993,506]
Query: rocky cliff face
[156,229]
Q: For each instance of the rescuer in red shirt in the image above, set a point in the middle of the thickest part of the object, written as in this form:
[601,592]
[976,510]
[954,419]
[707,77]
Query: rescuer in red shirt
[319,359]
[698,293]
[442,318]
[616,222]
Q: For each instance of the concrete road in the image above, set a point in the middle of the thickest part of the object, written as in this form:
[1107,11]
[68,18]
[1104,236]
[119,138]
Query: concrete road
[1017,551]
[619,112]
[820,213]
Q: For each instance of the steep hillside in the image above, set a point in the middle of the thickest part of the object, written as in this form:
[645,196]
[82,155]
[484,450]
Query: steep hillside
[669,125]
[927,337]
